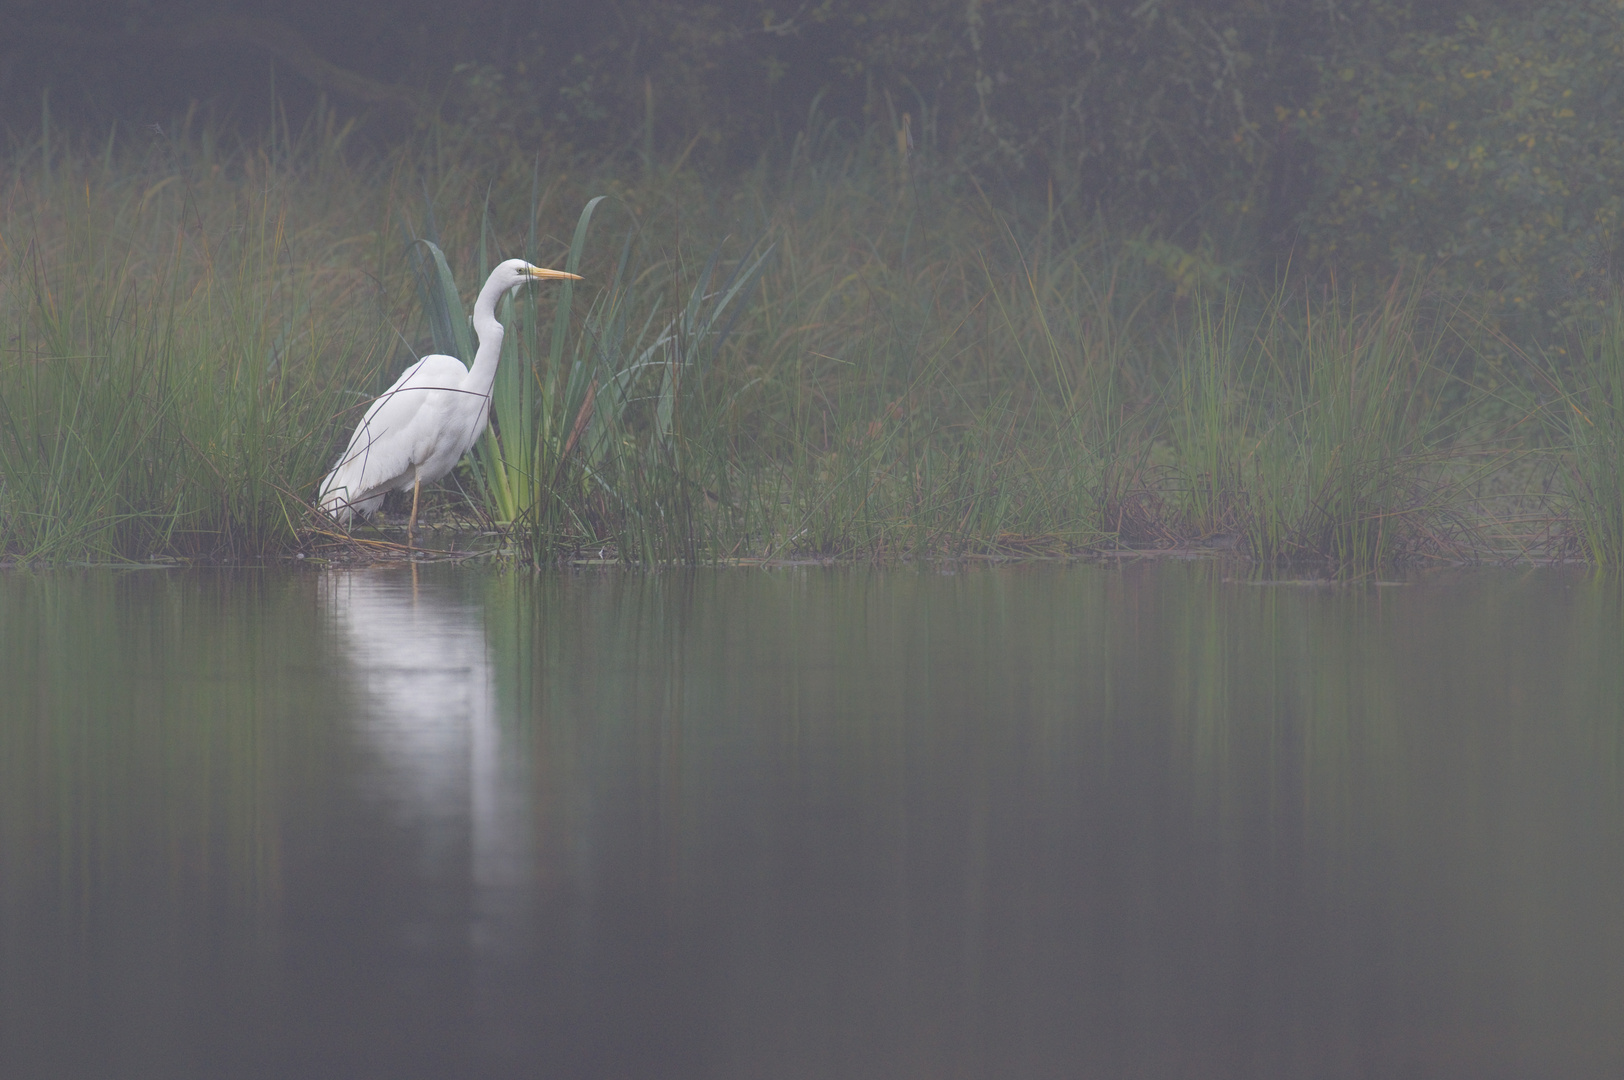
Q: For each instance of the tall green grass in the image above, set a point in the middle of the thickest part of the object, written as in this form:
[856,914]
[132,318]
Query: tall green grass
[172,356]
[1352,429]
[811,360]
[841,384]
[1592,409]
[1310,431]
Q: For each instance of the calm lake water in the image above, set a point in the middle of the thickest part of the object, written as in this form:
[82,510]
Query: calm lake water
[1033,822]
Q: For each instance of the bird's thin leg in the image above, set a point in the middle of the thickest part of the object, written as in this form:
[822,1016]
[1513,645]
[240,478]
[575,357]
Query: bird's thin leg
[411,526]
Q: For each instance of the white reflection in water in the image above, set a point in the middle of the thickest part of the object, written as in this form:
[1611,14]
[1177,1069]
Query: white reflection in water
[427,717]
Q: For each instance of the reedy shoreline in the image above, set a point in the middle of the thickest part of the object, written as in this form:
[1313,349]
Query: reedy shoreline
[826,357]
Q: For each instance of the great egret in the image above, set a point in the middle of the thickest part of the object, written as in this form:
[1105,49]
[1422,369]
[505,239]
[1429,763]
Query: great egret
[422,426]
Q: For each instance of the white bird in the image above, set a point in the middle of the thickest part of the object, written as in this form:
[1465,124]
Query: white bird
[421,427]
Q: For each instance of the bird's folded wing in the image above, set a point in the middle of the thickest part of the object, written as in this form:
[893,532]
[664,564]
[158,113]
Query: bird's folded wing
[380,455]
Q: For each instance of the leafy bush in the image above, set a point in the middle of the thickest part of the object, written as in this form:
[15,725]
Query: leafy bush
[1492,148]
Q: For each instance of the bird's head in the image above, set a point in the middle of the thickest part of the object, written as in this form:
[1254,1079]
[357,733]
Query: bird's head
[515,272]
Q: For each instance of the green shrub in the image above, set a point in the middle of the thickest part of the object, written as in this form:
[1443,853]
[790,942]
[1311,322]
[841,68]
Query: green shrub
[1491,149]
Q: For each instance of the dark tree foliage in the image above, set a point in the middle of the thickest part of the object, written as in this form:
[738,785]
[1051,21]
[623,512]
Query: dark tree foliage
[1362,134]
[1164,109]
[1491,147]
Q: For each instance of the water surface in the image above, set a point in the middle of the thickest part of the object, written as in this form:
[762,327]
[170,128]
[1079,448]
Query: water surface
[1031,822]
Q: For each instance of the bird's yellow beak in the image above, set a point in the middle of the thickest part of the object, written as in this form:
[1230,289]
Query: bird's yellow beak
[542,272]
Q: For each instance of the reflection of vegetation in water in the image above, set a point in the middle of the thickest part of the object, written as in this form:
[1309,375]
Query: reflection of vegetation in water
[150,724]
[912,372]
[1286,709]
[909,785]
[1275,702]
[1106,803]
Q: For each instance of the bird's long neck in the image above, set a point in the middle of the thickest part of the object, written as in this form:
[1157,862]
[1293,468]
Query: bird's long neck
[489,332]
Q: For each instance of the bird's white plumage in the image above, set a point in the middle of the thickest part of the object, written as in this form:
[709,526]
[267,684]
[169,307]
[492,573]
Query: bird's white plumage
[421,426]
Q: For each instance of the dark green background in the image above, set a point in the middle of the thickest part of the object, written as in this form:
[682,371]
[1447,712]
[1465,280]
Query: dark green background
[1484,138]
